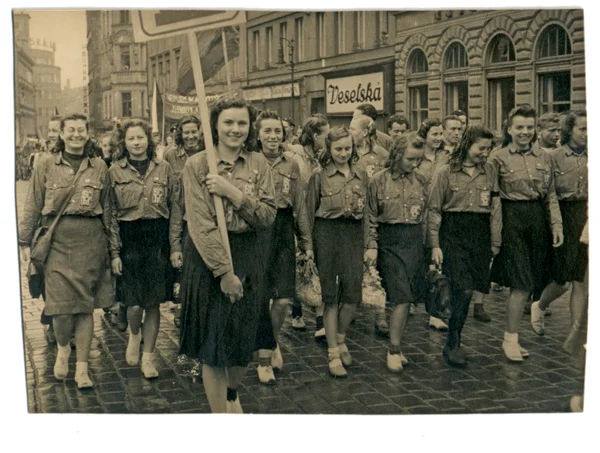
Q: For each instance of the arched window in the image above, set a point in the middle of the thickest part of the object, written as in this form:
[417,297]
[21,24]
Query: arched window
[418,88]
[456,91]
[456,56]
[501,50]
[554,42]
[417,62]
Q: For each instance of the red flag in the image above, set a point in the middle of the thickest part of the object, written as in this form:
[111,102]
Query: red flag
[212,58]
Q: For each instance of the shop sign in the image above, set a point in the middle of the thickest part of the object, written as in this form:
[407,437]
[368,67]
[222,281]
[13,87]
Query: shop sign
[344,94]
[272,92]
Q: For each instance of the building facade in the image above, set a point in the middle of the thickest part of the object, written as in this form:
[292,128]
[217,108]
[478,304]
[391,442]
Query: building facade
[46,77]
[117,70]
[487,62]
[334,60]
[25,113]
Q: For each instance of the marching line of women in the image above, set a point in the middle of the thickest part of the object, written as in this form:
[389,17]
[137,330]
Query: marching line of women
[435,200]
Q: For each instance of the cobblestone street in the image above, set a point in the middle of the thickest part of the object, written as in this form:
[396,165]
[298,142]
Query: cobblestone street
[543,383]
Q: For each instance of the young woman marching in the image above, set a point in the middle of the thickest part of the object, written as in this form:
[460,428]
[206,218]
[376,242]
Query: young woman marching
[462,198]
[145,230]
[336,203]
[371,159]
[395,213]
[531,221]
[312,143]
[570,260]
[221,297]
[292,217]
[434,157]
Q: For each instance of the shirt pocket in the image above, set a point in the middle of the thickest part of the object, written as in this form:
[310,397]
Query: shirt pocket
[89,196]
[128,194]
[390,203]
[284,182]
[160,191]
[332,199]
[513,180]
[483,192]
[416,207]
[246,181]
[56,193]
[357,199]
[543,172]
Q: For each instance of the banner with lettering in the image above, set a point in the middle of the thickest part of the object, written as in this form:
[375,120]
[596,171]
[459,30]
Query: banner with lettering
[177,106]
[344,94]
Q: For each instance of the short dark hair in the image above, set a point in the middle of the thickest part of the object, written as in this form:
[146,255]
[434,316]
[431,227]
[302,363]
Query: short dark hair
[118,139]
[89,149]
[179,128]
[401,144]
[227,103]
[312,126]
[449,118]
[369,110]
[458,113]
[398,119]
[426,125]
[570,124]
[289,120]
[267,115]
[548,119]
[526,111]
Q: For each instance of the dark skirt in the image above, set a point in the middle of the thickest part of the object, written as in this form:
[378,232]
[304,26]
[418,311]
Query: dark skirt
[78,276]
[465,240]
[570,260]
[339,254]
[215,331]
[523,261]
[147,268]
[400,260]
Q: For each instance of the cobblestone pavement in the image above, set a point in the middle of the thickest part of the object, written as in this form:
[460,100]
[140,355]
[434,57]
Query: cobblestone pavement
[542,383]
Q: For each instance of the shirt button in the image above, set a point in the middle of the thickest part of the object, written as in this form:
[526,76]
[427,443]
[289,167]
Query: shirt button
[72,201]
[470,191]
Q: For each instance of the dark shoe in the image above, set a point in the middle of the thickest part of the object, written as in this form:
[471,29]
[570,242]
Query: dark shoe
[177,317]
[527,308]
[122,319]
[382,329]
[50,337]
[454,357]
[479,313]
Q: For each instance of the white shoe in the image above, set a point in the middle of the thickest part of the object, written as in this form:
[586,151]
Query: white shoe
[512,351]
[537,318]
[524,352]
[265,375]
[277,359]
[320,333]
[148,369]
[61,366]
[298,323]
[394,362]
[412,309]
[438,324]
[403,360]
[576,404]
[132,353]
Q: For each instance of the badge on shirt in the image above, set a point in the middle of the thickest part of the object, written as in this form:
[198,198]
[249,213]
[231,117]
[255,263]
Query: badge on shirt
[484,198]
[361,203]
[86,197]
[249,189]
[286,185]
[370,170]
[415,212]
[158,194]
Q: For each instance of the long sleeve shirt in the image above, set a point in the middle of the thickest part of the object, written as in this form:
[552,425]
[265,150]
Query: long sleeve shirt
[394,198]
[373,161]
[152,196]
[383,140]
[50,186]
[307,162]
[570,174]
[429,167]
[454,190]
[290,192]
[251,174]
[527,176]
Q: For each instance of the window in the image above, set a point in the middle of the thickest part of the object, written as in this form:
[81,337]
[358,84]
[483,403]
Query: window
[255,47]
[269,53]
[554,42]
[456,56]
[321,43]
[125,58]
[168,70]
[283,35]
[417,62]
[360,31]
[501,50]
[501,101]
[457,96]
[419,104]
[153,66]
[340,33]
[555,92]
[124,17]
[299,39]
[126,104]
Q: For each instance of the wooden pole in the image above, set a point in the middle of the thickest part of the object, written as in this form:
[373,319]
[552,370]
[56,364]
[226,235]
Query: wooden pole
[227,69]
[205,121]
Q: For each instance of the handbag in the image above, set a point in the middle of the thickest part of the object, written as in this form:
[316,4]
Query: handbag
[372,291]
[308,286]
[40,249]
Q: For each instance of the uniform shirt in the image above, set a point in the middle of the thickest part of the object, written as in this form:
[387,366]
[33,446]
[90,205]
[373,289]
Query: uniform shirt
[307,163]
[454,190]
[570,174]
[50,185]
[176,157]
[383,140]
[373,161]
[428,167]
[252,175]
[525,176]
[547,150]
[395,198]
[290,192]
[152,196]
[331,195]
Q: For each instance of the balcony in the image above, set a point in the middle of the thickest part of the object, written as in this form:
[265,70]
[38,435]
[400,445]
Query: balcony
[128,77]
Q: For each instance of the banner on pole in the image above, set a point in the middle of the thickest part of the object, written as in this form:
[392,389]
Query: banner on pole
[177,106]
[151,24]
